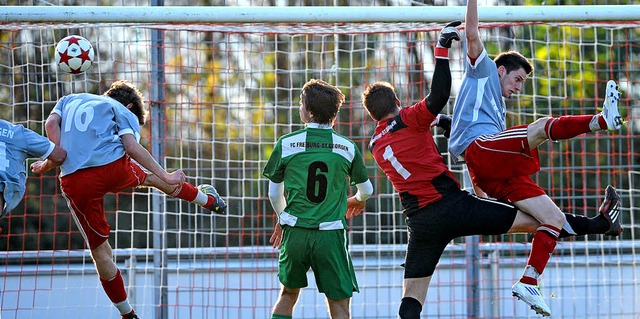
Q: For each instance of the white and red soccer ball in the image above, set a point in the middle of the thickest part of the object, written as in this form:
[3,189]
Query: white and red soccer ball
[74,54]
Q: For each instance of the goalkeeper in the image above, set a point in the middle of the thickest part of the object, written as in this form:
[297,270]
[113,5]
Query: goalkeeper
[436,209]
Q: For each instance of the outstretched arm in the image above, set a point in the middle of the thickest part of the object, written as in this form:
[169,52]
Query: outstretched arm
[58,155]
[52,127]
[142,156]
[441,81]
[440,87]
[474,43]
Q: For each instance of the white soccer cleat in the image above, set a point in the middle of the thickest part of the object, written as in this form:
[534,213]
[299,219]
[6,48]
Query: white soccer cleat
[610,107]
[532,296]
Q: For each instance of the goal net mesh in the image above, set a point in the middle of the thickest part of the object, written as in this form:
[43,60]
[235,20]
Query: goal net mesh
[228,91]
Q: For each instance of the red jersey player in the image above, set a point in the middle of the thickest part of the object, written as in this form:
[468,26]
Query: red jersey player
[436,209]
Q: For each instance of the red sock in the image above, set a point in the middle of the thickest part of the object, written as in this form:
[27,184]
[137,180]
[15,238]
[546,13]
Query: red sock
[566,127]
[114,288]
[544,241]
[186,191]
[602,122]
[210,202]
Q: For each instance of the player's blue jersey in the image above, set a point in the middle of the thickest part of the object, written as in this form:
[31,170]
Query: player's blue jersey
[91,128]
[18,143]
[479,108]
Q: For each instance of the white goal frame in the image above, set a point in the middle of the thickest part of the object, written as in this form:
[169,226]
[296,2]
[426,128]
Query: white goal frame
[232,15]
[320,14]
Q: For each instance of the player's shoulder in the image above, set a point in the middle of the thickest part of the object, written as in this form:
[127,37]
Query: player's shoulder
[8,129]
[343,138]
[89,98]
[293,134]
[6,125]
[18,135]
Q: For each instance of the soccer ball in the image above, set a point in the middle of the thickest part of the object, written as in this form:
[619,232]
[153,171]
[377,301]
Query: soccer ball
[74,54]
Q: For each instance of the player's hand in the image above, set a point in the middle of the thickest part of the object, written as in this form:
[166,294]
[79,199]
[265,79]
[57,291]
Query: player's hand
[444,122]
[176,178]
[449,33]
[276,237]
[40,167]
[354,207]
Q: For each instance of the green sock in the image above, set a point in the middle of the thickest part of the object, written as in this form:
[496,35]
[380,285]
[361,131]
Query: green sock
[274,316]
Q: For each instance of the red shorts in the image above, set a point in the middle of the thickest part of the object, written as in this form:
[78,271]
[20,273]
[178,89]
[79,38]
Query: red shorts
[85,189]
[501,165]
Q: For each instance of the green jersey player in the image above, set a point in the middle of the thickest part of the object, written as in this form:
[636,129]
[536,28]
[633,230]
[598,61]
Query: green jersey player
[312,166]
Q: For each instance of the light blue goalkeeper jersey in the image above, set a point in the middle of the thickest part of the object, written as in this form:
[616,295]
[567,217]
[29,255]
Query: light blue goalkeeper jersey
[91,128]
[479,108]
[18,143]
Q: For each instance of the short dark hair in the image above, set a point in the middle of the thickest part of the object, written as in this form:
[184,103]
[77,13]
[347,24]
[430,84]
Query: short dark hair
[379,99]
[125,93]
[322,100]
[513,60]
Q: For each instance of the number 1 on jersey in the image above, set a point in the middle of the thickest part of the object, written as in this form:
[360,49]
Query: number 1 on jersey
[389,156]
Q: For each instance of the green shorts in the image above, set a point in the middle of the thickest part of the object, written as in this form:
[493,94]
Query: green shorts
[325,252]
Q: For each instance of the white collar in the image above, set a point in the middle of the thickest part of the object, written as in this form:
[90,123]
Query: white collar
[320,126]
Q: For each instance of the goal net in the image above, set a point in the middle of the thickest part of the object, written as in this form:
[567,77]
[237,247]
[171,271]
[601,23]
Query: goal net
[221,94]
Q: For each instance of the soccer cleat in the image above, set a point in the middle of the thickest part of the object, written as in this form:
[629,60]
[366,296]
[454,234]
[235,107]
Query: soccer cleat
[131,315]
[610,107]
[217,203]
[610,210]
[449,33]
[532,296]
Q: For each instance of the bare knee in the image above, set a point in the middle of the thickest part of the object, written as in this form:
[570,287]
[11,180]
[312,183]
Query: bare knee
[290,293]
[543,209]
[559,219]
[553,216]
[536,133]
[103,259]
[339,308]
[286,301]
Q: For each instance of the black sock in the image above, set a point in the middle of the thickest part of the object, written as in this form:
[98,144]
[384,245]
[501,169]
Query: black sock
[410,308]
[585,226]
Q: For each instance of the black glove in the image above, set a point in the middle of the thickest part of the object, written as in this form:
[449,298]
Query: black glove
[444,122]
[449,33]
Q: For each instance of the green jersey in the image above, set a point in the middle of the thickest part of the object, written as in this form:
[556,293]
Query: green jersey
[316,165]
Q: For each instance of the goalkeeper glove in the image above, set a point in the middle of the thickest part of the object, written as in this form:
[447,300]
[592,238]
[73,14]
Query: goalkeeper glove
[448,34]
[444,122]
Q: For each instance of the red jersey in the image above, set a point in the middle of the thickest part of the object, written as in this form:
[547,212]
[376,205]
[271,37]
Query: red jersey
[405,150]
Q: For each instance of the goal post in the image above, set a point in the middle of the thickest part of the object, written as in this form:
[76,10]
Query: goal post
[315,14]
[223,84]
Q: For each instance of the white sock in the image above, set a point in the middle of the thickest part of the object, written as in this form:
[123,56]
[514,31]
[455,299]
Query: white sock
[594,125]
[124,307]
[201,198]
[530,272]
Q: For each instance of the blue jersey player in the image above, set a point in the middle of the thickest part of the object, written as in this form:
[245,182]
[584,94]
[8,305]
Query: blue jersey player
[18,143]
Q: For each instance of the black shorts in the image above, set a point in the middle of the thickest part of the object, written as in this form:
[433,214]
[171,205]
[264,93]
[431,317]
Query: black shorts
[457,214]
